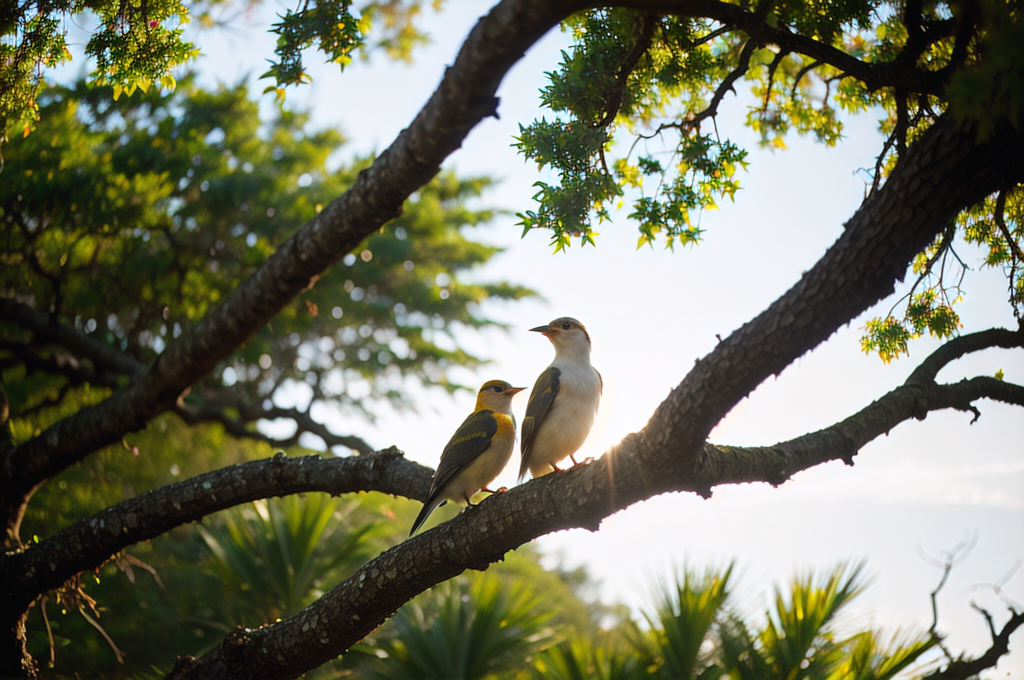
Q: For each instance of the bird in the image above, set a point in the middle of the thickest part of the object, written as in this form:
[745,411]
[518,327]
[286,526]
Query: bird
[563,402]
[477,452]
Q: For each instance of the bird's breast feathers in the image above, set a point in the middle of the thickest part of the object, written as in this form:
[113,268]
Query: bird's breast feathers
[580,383]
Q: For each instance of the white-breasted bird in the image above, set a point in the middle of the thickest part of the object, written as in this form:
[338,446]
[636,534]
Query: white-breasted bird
[563,402]
[477,452]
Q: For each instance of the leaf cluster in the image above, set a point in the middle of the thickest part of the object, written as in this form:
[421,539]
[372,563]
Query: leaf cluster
[636,97]
[171,199]
[695,633]
[630,70]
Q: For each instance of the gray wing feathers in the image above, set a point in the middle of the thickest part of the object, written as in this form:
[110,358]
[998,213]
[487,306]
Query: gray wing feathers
[541,398]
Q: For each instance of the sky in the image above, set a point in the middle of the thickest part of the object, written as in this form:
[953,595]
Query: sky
[913,494]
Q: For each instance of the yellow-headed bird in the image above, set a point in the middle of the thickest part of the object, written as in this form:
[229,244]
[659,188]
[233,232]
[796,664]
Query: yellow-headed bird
[477,452]
[563,402]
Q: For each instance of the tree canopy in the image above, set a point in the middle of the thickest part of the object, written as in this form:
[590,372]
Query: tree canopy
[166,251]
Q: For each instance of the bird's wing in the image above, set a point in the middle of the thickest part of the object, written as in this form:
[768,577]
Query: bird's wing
[469,441]
[600,382]
[541,398]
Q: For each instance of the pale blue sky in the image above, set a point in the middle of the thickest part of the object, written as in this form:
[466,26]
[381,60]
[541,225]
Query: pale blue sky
[651,313]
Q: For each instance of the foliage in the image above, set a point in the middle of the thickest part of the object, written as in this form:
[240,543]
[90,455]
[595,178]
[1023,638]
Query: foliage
[463,630]
[183,195]
[683,620]
[141,43]
[274,557]
[326,23]
[695,632]
[135,44]
[635,99]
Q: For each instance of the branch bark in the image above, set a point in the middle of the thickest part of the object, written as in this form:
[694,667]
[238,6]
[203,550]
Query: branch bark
[578,498]
[947,169]
[87,544]
[90,542]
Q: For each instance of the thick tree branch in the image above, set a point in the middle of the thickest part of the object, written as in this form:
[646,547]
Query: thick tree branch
[87,544]
[944,171]
[580,497]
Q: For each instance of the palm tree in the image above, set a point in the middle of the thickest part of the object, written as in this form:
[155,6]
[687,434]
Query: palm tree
[695,634]
[477,627]
[802,640]
[274,557]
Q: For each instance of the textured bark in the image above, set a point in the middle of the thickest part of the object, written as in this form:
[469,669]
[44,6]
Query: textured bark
[90,542]
[578,498]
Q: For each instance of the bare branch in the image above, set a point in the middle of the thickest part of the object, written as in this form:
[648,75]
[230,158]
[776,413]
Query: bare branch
[580,497]
[874,75]
[999,212]
[47,329]
[964,669]
[213,411]
[90,542]
[965,344]
[718,465]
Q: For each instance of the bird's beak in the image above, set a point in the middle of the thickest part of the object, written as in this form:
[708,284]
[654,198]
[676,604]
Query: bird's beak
[515,390]
[540,329]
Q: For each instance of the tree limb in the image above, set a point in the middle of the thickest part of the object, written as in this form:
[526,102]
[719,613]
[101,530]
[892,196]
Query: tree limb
[48,329]
[965,344]
[873,75]
[90,542]
[944,171]
[580,497]
[212,411]
[962,669]
[87,544]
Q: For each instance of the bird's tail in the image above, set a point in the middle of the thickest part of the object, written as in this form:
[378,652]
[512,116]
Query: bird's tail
[428,507]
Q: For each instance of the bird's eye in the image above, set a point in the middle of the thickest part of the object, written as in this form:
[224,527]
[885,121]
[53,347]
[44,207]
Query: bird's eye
[498,388]
[566,325]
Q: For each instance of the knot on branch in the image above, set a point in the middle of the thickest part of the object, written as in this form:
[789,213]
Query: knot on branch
[182,666]
[235,642]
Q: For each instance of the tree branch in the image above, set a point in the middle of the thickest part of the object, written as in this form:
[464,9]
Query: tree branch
[580,497]
[947,169]
[965,344]
[47,329]
[962,669]
[213,411]
[87,544]
[873,75]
